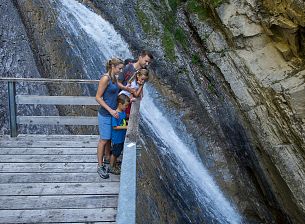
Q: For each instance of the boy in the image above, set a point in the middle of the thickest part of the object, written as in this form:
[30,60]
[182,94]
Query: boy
[118,133]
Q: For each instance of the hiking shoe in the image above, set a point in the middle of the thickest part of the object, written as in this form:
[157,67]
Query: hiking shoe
[114,170]
[101,170]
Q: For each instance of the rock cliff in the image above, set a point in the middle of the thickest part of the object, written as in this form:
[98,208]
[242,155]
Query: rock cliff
[241,64]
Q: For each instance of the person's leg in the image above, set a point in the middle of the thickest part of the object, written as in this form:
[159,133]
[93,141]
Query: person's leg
[114,154]
[100,151]
[101,169]
[105,135]
[108,150]
[112,160]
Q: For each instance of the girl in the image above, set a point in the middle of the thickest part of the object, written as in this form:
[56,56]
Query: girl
[106,96]
[135,83]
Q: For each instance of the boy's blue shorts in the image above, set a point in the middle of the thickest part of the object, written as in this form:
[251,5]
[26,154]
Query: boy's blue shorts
[104,126]
[117,149]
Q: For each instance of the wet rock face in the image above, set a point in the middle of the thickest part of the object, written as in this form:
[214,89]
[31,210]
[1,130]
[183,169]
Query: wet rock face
[156,191]
[42,49]
[17,59]
[241,64]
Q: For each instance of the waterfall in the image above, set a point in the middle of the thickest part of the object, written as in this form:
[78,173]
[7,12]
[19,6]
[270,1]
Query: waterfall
[95,41]
[190,165]
[92,38]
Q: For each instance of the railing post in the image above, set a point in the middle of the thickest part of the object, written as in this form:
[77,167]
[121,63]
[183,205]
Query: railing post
[12,108]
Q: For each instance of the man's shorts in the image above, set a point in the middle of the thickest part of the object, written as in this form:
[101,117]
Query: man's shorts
[104,126]
[117,149]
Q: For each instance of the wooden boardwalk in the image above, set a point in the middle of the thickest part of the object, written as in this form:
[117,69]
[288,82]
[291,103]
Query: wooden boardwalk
[53,179]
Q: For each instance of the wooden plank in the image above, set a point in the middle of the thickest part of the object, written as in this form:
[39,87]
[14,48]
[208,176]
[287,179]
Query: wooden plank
[56,100]
[133,124]
[48,168]
[52,137]
[57,215]
[57,120]
[89,222]
[47,143]
[55,178]
[62,201]
[45,80]
[48,158]
[33,189]
[48,151]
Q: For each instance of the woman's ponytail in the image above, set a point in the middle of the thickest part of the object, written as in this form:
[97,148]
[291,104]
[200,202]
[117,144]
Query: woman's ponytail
[109,64]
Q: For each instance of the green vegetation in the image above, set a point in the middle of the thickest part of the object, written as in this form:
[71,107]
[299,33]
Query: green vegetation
[169,21]
[212,89]
[195,59]
[145,22]
[216,3]
[198,8]
[169,45]
[174,4]
[181,37]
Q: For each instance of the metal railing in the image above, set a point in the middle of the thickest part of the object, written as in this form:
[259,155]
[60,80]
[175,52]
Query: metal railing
[14,100]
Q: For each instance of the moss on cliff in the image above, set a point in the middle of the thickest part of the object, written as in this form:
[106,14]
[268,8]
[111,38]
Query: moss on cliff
[145,22]
[197,7]
[168,45]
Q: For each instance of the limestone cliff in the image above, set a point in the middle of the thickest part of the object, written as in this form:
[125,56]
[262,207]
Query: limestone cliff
[241,64]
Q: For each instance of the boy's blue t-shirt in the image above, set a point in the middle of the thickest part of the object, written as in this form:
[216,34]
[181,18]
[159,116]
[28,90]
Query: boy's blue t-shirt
[118,136]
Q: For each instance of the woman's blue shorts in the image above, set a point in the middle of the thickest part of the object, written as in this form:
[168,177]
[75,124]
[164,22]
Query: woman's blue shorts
[104,126]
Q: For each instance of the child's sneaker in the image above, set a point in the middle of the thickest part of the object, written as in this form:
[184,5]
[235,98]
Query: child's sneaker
[101,170]
[118,164]
[114,170]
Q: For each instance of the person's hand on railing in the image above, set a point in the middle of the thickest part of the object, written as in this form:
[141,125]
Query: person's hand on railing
[114,113]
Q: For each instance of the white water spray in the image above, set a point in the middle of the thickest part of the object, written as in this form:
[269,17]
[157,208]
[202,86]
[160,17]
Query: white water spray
[101,31]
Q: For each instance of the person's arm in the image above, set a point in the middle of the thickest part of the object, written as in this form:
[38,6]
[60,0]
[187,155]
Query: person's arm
[120,127]
[103,83]
[121,86]
[138,92]
[121,79]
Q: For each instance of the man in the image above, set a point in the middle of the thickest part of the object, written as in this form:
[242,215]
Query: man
[143,61]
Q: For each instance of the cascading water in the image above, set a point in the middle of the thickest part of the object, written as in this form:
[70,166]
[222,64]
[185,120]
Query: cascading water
[95,41]
[189,163]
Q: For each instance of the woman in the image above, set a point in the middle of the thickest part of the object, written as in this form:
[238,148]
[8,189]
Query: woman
[106,96]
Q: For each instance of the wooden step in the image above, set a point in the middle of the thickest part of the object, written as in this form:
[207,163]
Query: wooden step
[55,178]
